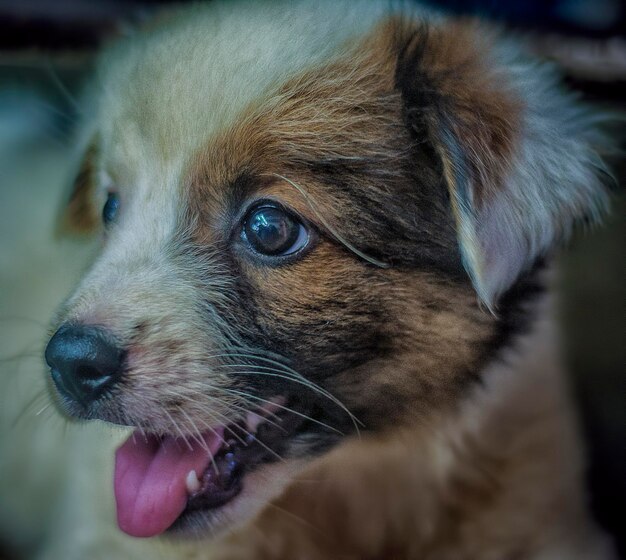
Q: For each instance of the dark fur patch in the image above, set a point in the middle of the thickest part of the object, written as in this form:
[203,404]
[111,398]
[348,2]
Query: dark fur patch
[393,343]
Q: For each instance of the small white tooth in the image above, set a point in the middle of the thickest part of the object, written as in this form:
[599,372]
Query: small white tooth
[252,421]
[192,482]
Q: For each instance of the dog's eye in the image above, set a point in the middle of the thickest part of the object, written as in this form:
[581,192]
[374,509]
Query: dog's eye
[111,207]
[272,231]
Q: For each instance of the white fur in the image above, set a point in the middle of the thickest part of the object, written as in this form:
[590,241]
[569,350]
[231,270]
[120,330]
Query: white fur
[556,177]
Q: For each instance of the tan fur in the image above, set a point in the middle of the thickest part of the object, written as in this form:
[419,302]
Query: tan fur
[469,449]
[81,216]
[470,485]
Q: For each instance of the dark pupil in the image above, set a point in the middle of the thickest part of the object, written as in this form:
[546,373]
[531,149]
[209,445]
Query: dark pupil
[271,231]
[110,208]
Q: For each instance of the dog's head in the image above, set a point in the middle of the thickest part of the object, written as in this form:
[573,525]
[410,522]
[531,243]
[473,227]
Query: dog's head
[306,217]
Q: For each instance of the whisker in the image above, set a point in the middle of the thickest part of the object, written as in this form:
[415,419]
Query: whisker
[243,441]
[262,444]
[143,434]
[295,517]
[198,435]
[332,230]
[291,410]
[211,429]
[211,413]
[227,421]
[29,406]
[303,380]
[43,409]
[304,383]
[177,428]
[204,407]
[311,385]
[61,87]
[235,435]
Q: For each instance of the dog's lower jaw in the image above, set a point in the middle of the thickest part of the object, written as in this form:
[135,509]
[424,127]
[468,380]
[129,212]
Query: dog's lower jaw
[500,478]
[261,487]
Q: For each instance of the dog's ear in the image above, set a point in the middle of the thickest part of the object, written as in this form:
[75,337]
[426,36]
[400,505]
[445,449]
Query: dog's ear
[518,155]
[79,214]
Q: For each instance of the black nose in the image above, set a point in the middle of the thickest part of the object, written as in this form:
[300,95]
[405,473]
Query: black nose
[84,362]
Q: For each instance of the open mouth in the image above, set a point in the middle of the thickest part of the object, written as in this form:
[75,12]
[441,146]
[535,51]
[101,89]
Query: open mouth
[161,480]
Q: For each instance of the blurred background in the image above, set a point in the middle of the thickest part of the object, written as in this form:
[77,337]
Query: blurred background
[46,51]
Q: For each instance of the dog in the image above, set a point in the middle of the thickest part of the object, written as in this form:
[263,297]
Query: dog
[322,300]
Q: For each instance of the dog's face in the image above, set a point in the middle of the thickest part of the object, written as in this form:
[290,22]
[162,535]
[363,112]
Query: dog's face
[285,228]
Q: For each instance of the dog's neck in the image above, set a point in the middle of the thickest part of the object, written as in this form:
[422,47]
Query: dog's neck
[498,478]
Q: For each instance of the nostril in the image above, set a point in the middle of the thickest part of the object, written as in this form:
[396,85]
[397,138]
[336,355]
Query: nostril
[88,372]
[84,361]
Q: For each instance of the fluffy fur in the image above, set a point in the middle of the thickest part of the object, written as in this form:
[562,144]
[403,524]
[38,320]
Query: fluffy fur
[437,165]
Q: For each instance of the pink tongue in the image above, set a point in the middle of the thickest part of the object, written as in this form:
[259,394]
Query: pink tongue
[150,480]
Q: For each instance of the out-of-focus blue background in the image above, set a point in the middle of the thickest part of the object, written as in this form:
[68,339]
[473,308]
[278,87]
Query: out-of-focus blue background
[46,49]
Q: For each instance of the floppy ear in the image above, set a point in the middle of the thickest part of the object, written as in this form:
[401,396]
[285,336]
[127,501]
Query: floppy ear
[518,154]
[80,215]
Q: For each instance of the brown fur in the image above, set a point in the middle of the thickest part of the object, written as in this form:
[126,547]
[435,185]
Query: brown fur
[382,150]
[306,131]
[469,485]
[473,102]
[80,215]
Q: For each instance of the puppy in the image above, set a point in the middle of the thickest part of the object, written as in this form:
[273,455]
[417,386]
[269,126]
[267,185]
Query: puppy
[321,299]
